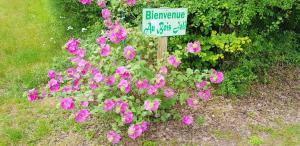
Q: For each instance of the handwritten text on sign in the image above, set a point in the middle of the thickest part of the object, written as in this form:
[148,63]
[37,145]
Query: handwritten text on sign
[164,21]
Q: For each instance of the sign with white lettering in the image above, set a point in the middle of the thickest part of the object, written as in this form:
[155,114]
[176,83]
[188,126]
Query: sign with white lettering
[164,21]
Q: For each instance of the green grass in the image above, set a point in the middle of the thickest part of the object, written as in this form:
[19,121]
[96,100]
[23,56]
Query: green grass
[200,120]
[285,134]
[223,134]
[255,140]
[30,36]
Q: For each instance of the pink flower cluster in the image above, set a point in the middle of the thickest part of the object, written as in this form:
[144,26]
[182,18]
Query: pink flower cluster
[129,52]
[187,120]
[104,50]
[216,77]
[82,115]
[113,137]
[105,13]
[72,46]
[117,33]
[121,108]
[151,105]
[86,2]
[169,93]
[67,104]
[130,2]
[86,76]
[174,61]
[136,130]
[32,95]
[194,47]
[141,84]
[101,3]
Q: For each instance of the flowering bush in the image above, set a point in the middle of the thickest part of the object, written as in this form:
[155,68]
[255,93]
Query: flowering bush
[111,77]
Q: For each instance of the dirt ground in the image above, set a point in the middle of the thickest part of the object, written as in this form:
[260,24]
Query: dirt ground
[270,115]
[230,121]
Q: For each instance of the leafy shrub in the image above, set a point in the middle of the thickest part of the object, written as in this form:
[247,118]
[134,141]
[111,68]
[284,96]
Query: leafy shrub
[242,25]
[115,74]
[75,16]
[254,65]
[230,19]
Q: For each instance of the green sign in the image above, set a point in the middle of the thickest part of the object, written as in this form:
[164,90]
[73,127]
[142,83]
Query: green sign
[164,21]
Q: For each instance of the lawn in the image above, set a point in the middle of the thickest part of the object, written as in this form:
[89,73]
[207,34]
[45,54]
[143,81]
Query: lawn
[32,34]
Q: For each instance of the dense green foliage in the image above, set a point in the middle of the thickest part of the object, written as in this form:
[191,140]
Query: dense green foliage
[243,38]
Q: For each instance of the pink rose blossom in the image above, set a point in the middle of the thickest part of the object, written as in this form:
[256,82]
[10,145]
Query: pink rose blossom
[123,72]
[94,71]
[81,52]
[173,61]
[217,77]
[144,125]
[83,67]
[191,102]
[113,137]
[105,13]
[131,2]
[53,85]
[32,95]
[72,46]
[105,50]
[201,85]
[169,93]
[101,3]
[60,78]
[98,77]
[71,72]
[93,85]
[84,103]
[51,74]
[159,81]
[187,120]
[151,106]
[86,2]
[82,63]
[67,89]
[82,115]
[108,104]
[67,103]
[127,117]
[163,70]
[121,106]
[107,23]
[135,131]
[204,94]
[124,86]
[129,52]
[86,69]
[101,40]
[76,85]
[151,90]
[75,59]
[141,84]
[117,33]
[194,47]
[110,80]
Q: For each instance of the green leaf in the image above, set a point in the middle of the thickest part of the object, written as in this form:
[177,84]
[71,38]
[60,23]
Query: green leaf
[182,98]
[189,72]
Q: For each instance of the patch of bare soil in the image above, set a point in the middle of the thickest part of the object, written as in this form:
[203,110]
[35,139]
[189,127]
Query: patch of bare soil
[228,121]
